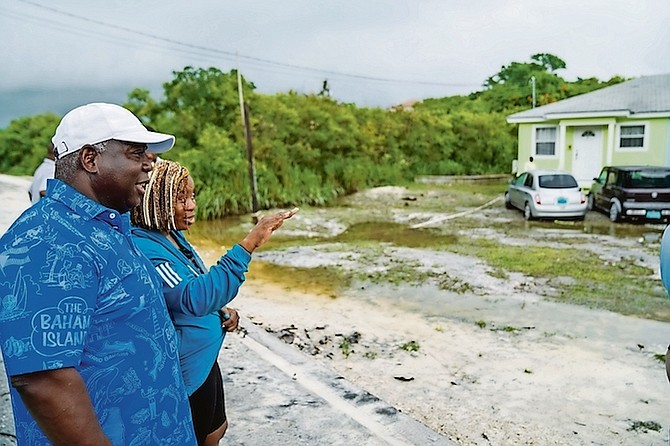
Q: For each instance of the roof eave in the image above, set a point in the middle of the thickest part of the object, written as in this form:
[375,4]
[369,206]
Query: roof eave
[511,120]
[587,114]
[581,115]
[649,115]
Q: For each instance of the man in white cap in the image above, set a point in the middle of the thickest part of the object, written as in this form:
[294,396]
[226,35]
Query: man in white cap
[89,348]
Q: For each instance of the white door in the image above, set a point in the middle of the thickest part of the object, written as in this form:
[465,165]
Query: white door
[587,154]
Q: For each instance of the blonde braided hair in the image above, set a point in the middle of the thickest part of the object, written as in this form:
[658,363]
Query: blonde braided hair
[156,211]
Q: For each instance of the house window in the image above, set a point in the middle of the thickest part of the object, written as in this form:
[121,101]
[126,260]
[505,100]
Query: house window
[632,137]
[545,141]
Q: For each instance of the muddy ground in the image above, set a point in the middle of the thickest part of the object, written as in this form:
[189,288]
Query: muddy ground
[488,358]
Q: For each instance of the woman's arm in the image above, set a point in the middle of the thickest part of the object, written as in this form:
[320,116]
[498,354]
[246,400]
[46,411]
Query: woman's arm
[199,294]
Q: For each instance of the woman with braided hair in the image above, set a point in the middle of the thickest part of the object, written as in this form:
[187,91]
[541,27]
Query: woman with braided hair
[195,296]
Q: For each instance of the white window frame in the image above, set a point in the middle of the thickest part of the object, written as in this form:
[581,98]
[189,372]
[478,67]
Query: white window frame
[534,141]
[645,137]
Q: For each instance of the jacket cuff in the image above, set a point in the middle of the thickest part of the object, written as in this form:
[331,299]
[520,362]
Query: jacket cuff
[238,249]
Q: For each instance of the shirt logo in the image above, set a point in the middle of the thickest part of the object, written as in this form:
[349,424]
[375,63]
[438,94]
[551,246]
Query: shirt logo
[61,329]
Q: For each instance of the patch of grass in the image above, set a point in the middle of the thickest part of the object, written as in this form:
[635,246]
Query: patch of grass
[345,346]
[402,273]
[498,273]
[644,426]
[487,190]
[633,297]
[411,346]
[660,357]
[622,286]
[370,355]
[481,324]
[449,283]
[541,261]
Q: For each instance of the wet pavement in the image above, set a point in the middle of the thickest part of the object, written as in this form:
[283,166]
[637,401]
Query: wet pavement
[274,394]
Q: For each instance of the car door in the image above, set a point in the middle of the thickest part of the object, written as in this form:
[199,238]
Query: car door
[597,187]
[528,188]
[608,189]
[524,189]
[515,190]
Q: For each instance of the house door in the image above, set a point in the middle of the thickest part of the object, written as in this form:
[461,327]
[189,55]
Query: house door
[587,154]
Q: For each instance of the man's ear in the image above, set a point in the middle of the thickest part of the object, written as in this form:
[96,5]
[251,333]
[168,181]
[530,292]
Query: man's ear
[88,157]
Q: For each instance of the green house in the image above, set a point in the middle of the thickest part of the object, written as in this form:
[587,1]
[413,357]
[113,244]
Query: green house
[625,124]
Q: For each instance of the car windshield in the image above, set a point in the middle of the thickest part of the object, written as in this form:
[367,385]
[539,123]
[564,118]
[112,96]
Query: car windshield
[557,181]
[647,179]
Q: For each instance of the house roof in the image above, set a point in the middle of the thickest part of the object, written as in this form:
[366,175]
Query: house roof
[646,96]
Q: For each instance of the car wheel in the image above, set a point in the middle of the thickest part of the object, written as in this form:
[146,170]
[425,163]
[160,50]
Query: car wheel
[614,213]
[508,204]
[527,212]
[590,202]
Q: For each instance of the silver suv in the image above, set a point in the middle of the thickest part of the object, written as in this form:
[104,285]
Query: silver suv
[632,192]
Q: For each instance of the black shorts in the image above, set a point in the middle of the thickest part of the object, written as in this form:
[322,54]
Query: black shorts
[208,407]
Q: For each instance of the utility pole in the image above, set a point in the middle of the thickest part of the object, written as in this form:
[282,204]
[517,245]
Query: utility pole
[532,83]
[244,109]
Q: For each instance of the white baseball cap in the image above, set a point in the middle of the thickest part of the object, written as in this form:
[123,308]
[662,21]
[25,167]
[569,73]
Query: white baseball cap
[98,122]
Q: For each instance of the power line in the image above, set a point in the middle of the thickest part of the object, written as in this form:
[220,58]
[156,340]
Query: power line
[199,49]
[104,37]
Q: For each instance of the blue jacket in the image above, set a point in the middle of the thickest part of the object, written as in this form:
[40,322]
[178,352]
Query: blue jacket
[665,259]
[194,296]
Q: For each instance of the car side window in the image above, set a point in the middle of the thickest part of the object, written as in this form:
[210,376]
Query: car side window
[602,178]
[611,178]
[529,181]
[518,181]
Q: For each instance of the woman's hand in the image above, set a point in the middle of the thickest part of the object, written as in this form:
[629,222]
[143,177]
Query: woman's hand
[231,319]
[263,230]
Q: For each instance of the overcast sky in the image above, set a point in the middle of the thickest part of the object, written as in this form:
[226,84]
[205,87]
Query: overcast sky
[373,52]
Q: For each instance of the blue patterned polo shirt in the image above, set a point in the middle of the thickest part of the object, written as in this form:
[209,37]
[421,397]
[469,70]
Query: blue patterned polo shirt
[76,292]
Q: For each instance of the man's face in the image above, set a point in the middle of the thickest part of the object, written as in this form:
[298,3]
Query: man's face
[122,174]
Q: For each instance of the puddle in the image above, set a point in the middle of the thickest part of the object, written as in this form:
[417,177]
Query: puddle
[397,234]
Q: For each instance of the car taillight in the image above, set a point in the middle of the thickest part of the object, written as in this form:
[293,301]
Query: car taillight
[583,199]
[537,199]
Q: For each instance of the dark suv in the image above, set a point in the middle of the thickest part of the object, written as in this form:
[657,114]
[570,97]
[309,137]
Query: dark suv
[632,192]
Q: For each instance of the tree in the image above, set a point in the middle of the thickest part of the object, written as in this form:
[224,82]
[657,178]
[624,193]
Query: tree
[515,78]
[309,149]
[24,142]
[550,62]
